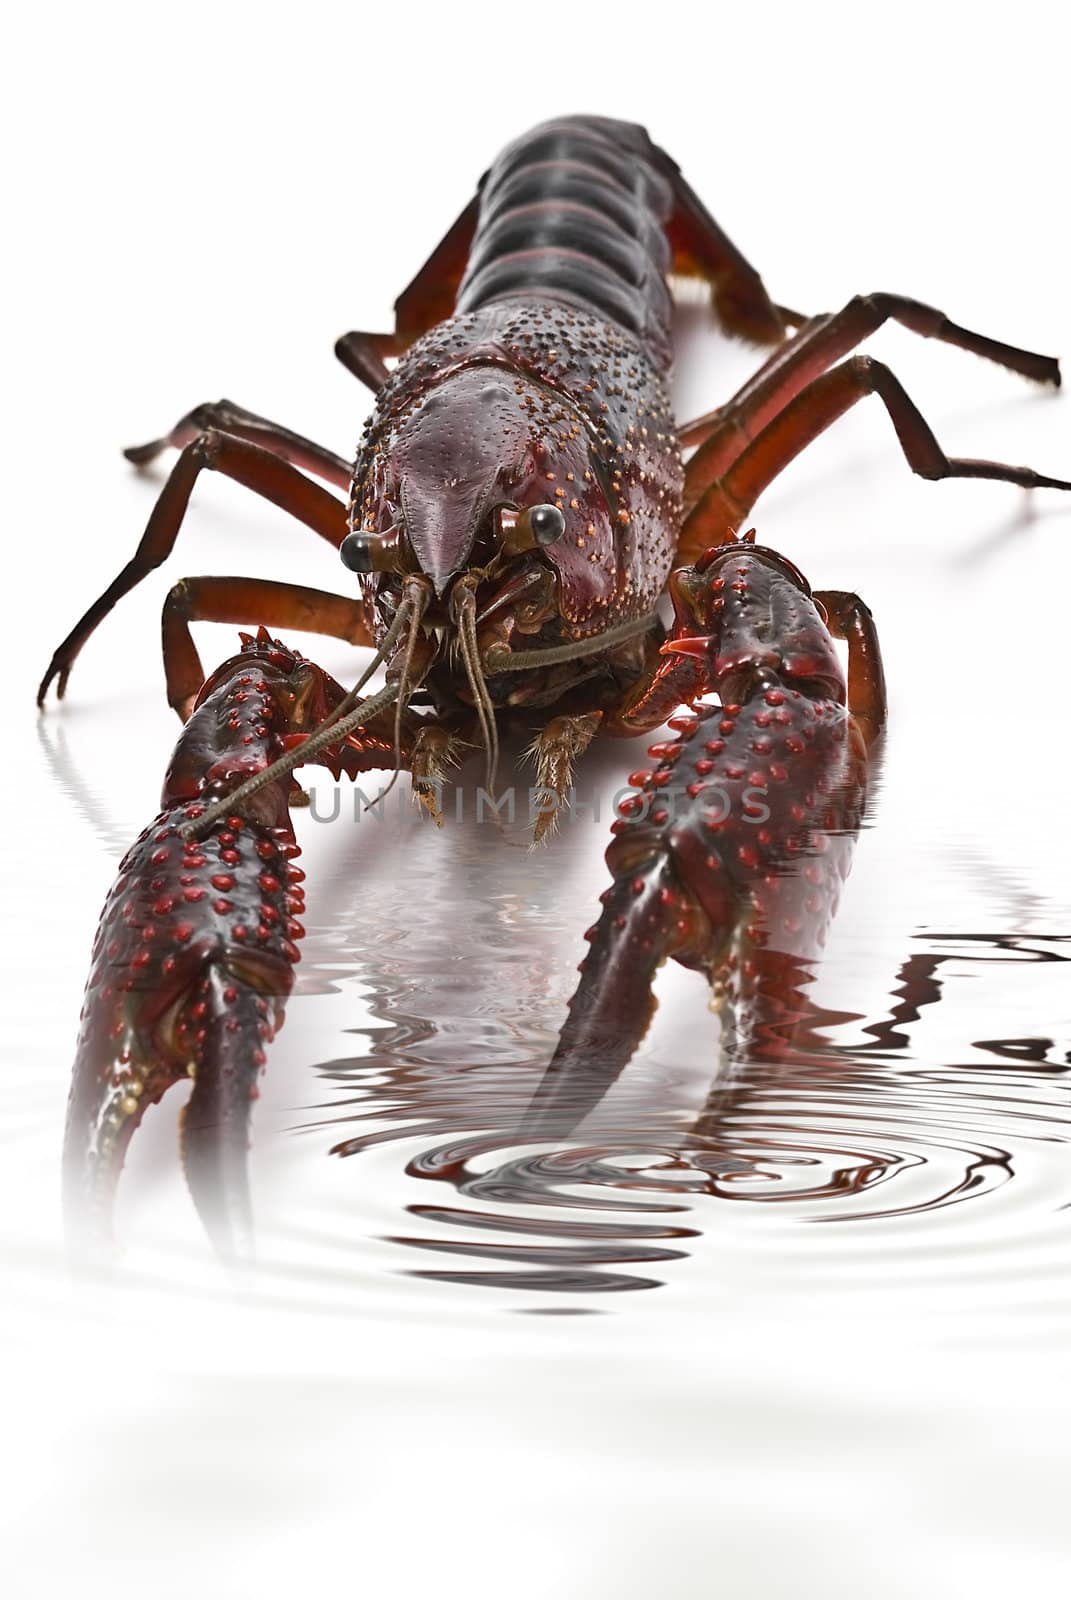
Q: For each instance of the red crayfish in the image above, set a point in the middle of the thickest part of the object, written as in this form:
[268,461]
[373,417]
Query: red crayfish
[518,505]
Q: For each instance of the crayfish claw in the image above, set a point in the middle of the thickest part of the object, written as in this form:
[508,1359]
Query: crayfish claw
[216,1119]
[646,916]
[113,1087]
[730,856]
[194,955]
[175,994]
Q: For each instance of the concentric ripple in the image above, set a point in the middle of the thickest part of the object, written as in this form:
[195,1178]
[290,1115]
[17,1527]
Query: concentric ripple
[931,1087]
[872,1120]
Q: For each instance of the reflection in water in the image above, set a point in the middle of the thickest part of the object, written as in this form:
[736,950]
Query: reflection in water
[918,984]
[825,1129]
[466,947]
[67,776]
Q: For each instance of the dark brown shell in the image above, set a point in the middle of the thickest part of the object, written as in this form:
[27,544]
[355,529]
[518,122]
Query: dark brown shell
[598,411]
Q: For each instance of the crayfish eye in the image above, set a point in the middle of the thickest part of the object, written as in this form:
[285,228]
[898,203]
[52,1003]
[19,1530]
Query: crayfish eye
[547,524]
[356,552]
[529,529]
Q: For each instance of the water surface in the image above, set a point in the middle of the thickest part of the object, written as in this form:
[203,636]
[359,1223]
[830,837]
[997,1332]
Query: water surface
[772,1313]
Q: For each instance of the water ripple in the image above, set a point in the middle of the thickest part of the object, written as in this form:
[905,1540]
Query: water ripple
[859,1123]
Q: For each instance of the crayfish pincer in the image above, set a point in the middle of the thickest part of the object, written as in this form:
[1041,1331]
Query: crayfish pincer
[194,956]
[731,854]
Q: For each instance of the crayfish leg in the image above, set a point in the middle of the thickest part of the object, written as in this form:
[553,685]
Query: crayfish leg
[436,752]
[555,750]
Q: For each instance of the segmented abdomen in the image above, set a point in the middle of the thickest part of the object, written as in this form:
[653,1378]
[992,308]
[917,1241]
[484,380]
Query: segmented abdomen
[575,211]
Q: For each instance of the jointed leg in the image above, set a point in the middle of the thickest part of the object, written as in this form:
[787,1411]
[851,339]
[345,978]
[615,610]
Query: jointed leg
[850,618]
[700,429]
[435,752]
[364,354]
[555,749]
[701,249]
[429,750]
[246,600]
[427,300]
[258,469]
[226,417]
[727,502]
[824,340]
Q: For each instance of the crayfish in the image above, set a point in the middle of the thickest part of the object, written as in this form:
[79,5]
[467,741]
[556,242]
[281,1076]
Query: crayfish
[519,506]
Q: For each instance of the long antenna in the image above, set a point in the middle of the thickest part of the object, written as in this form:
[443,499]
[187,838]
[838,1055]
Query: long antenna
[328,733]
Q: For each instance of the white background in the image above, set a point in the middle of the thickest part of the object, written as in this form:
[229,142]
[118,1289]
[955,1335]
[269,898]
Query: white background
[198,201]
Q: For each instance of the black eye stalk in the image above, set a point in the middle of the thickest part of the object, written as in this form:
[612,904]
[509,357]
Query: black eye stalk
[530,529]
[356,552]
[371,552]
[547,523]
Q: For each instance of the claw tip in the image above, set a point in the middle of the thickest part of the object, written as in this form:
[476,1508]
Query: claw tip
[697,646]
